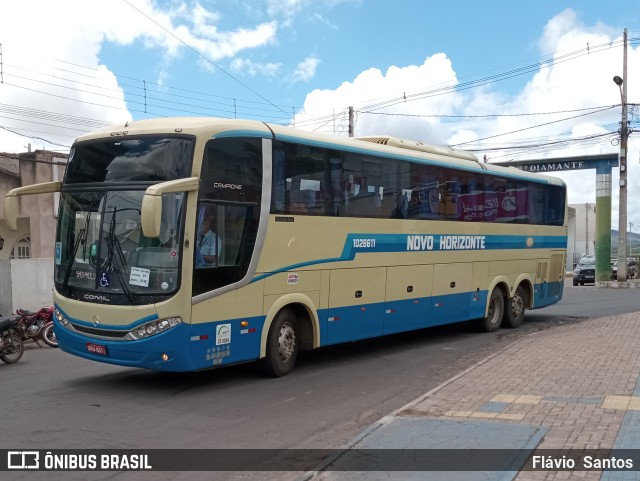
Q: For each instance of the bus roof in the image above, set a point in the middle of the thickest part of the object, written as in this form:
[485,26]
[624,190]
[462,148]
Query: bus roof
[381,145]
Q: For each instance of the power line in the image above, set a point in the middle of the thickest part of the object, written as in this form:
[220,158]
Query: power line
[228,112]
[528,114]
[43,114]
[144,100]
[69,98]
[533,127]
[144,84]
[32,137]
[318,122]
[493,78]
[445,89]
[201,55]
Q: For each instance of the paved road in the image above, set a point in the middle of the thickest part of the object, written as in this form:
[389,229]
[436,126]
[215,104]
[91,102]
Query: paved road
[53,400]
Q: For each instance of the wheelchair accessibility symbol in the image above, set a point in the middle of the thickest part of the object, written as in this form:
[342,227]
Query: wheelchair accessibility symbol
[105,279]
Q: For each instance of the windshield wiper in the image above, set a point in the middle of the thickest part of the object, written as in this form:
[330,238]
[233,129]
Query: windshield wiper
[82,239]
[115,249]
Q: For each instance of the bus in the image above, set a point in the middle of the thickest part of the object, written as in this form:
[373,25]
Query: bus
[312,240]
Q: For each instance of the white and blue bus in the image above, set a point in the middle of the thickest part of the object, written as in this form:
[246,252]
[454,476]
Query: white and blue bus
[312,241]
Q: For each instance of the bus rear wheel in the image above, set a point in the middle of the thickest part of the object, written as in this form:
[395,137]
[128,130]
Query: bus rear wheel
[282,345]
[491,322]
[514,309]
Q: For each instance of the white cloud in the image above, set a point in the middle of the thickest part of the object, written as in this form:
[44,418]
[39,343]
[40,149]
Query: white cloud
[372,86]
[35,32]
[305,70]
[580,81]
[287,10]
[29,70]
[219,46]
[325,21]
[204,22]
[288,7]
[252,68]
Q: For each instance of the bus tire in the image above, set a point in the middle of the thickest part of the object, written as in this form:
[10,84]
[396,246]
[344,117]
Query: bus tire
[493,319]
[514,309]
[282,345]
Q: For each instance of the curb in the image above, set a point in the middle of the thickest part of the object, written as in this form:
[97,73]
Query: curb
[632,284]
[375,426]
[372,428]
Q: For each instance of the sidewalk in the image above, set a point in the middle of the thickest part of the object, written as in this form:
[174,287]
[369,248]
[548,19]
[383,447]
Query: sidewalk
[573,387]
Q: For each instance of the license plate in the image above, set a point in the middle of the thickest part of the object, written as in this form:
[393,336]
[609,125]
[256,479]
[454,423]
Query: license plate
[96,349]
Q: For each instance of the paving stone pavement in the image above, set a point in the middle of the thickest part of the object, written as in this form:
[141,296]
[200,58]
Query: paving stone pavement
[578,383]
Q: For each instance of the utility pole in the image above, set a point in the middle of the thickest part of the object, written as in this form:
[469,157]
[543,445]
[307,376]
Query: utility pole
[350,121]
[624,133]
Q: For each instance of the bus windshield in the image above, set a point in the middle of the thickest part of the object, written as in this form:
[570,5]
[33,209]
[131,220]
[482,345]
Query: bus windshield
[101,254]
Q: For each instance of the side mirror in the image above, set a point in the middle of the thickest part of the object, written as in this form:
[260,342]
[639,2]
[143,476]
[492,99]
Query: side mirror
[11,212]
[11,200]
[151,215]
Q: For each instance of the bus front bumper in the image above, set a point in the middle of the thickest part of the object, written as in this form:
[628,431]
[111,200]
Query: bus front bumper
[166,351]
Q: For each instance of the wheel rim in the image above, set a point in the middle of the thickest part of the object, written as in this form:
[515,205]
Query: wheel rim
[50,334]
[517,306]
[286,342]
[13,351]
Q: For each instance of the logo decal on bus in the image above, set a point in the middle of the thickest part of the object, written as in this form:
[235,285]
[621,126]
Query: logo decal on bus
[219,185]
[223,334]
[445,242]
[94,297]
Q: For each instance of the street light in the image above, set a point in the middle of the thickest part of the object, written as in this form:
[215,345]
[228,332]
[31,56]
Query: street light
[622,208]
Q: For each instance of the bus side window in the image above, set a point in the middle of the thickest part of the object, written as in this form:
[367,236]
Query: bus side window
[301,201]
[435,200]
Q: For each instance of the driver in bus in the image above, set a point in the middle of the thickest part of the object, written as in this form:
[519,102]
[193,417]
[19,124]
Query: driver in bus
[209,245]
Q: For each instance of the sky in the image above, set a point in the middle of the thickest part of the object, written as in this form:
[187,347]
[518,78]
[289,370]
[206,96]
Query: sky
[507,80]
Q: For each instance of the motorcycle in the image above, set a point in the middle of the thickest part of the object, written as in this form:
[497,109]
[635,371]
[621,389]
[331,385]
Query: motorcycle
[37,325]
[11,346]
[49,335]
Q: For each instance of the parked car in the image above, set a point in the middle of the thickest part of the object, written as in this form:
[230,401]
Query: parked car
[632,269]
[585,270]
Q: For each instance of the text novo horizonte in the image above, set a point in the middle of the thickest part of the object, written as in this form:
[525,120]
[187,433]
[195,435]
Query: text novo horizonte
[445,242]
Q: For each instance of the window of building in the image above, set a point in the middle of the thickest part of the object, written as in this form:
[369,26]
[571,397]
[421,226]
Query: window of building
[22,248]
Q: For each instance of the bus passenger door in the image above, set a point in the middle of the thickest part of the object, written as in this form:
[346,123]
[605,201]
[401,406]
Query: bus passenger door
[407,298]
[452,293]
[356,304]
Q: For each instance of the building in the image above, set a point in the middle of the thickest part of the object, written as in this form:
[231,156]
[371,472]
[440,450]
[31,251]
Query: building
[584,242]
[26,255]
[571,238]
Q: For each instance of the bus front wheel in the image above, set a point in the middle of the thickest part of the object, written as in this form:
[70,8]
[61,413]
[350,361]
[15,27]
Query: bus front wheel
[493,319]
[282,345]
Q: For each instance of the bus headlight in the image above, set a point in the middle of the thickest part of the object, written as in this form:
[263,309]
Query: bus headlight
[151,328]
[60,318]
